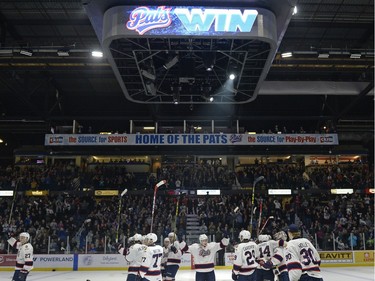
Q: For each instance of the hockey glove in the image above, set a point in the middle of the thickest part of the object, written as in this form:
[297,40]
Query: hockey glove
[234,276]
[174,249]
[22,275]
[225,241]
[118,246]
[266,265]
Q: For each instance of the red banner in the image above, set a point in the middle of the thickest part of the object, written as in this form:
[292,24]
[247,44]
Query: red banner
[8,260]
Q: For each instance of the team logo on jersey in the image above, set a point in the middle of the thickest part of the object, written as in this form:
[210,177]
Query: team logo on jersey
[143,19]
[204,253]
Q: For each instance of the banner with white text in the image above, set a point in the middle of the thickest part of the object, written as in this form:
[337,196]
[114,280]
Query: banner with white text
[189,139]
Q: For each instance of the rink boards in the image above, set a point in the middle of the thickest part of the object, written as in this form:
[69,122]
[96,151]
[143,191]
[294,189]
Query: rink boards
[62,262]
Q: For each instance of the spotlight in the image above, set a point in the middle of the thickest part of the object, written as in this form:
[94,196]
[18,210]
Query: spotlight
[233,70]
[355,56]
[97,54]
[28,53]
[63,53]
[295,10]
[209,60]
[323,56]
[287,55]
[176,93]
[171,63]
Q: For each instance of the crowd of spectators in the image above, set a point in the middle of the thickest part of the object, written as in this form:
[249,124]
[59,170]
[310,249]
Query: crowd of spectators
[73,223]
[84,224]
[78,223]
[207,174]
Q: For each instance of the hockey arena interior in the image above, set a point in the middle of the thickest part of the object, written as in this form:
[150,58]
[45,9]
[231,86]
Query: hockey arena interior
[187,140]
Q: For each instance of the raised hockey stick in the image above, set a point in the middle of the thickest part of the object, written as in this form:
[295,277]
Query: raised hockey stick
[14,200]
[156,187]
[260,216]
[265,224]
[119,213]
[252,202]
[179,198]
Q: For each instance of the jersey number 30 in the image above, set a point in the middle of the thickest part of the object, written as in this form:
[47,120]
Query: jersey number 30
[308,256]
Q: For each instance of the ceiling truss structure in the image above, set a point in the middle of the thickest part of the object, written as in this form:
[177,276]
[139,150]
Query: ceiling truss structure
[200,69]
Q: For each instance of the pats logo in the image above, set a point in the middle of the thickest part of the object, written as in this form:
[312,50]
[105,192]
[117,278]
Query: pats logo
[235,138]
[203,252]
[143,19]
[56,140]
[327,139]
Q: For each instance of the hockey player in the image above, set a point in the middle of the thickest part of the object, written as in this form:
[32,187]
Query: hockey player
[174,257]
[266,247]
[24,261]
[165,257]
[278,258]
[204,256]
[133,256]
[244,264]
[303,260]
[150,269]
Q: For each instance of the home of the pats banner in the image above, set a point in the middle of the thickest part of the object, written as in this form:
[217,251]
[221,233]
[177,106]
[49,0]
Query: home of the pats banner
[189,139]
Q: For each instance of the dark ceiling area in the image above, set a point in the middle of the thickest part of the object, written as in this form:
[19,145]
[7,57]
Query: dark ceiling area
[48,76]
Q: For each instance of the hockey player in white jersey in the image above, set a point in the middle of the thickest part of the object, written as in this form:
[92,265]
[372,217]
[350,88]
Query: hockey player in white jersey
[266,248]
[303,260]
[204,257]
[133,256]
[174,257]
[244,264]
[277,261]
[150,269]
[163,265]
[24,261]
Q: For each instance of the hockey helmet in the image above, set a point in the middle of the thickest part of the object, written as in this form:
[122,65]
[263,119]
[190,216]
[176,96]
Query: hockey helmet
[151,238]
[137,237]
[26,235]
[166,241]
[281,235]
[264,238]
[203,237]
[172,236]
[244,235]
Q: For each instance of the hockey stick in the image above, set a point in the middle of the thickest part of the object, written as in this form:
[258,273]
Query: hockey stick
[156,187]
[14,200]
[119,213]
[179,198]
[252,202]
[264,225]
[260,216]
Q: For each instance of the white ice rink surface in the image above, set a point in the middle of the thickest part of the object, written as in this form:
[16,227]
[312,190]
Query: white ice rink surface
[329,274]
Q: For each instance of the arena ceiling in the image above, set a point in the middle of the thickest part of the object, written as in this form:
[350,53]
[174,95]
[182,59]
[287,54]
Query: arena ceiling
[328,80]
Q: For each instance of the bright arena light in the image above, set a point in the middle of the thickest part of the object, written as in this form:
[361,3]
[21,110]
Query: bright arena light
[97,54]
[295,10]
[232,76]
